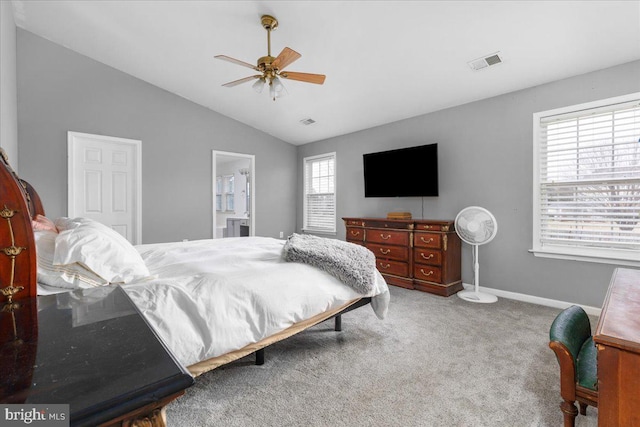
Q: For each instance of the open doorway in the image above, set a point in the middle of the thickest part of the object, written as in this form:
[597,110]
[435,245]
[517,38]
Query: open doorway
[233,179]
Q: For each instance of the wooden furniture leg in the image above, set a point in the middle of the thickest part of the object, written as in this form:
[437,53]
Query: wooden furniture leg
[570,412]
[583,408]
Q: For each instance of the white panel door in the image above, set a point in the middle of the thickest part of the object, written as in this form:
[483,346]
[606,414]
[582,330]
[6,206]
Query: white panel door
[104,182]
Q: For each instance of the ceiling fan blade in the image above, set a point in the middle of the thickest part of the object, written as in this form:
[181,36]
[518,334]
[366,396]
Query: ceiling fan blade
[240,81]
[236,61]
[286,57]
[304,77]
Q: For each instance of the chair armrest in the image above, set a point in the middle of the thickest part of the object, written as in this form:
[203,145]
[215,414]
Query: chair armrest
[567,370]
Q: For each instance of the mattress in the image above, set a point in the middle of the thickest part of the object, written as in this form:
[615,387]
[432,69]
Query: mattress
[208,298]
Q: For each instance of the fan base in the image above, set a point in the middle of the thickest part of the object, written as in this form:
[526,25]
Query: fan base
[473,296]
[269,22]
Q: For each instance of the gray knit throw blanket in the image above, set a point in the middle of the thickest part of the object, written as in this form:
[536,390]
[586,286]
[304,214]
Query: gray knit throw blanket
[353,264]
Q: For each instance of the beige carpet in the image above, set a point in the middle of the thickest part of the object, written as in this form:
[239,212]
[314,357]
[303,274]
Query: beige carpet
[433,362]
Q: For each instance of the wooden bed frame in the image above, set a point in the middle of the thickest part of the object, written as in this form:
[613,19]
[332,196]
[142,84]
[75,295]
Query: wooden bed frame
[19,203]
[18,262]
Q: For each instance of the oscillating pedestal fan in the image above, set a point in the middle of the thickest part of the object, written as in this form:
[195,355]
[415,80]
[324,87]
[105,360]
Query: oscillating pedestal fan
[476,226]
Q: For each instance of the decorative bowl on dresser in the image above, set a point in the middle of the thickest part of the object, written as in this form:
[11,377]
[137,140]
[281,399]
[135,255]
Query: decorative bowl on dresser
[413,254]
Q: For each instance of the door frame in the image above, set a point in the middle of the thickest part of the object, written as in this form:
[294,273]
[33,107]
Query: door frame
[72,165]
[252,181]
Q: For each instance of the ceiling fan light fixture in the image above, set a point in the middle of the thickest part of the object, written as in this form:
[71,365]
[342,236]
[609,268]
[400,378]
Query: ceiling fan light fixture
[282,92]
[276,89]
[277,84]
[258,86]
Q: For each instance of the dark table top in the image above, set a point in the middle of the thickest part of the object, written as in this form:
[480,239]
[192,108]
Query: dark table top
[91,349]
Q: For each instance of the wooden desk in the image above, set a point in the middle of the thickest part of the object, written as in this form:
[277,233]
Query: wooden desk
[90,349]
[618,341]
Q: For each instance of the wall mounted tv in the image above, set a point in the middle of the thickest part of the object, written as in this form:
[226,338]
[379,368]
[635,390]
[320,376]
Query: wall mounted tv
[406,172]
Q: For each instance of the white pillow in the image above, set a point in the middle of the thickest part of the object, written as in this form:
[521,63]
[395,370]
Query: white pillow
[99,248]
[72,276]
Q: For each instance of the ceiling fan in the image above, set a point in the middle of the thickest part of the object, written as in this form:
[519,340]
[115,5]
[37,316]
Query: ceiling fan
[270,68]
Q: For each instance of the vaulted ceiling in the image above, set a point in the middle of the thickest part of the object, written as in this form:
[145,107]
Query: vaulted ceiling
[384,60]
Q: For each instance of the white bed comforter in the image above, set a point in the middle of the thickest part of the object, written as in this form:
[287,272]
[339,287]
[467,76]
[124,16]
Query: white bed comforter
[208,297]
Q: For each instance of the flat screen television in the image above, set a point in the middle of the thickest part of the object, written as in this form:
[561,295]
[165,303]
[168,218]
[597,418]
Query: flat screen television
[406,172]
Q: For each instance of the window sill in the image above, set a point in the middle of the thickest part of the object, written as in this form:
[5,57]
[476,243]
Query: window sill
[622,259]
[323,232]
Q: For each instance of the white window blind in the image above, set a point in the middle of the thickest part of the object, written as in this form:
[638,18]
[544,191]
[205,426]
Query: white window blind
[319,193]
[225,193]
[587,195]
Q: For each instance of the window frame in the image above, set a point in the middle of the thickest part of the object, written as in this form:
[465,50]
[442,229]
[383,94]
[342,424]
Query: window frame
[306,162]
[628,257]
[225,193]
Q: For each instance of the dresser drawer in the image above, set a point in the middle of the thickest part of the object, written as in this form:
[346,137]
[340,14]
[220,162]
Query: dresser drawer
[427,240]
[443,226]
[427,272]
[388,237]
[398,224]
[351,221]
[427,256]
[355,234]
[393,267]
[389,252]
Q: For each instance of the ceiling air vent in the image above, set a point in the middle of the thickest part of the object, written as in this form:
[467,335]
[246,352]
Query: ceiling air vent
[486,61]
[307,122]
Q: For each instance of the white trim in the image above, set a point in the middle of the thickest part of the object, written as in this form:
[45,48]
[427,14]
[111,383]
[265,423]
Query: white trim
[71,165]
[594,311]
[605,103]
[326,233]
[334,231]
[573,255]
[252,167]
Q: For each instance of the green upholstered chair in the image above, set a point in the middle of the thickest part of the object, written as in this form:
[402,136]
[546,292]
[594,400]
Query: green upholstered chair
[570,339]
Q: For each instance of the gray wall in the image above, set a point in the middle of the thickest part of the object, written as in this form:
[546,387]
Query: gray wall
[60,90]
[8,92]
[485,153]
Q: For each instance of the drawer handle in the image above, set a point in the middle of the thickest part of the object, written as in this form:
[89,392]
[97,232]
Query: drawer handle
[426,257]
[385,238]
[426,274]
[384,251]
[384,266]
[355,233]
[426,241]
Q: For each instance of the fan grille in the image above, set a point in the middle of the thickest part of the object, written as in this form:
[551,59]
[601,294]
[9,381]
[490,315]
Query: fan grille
[476,226]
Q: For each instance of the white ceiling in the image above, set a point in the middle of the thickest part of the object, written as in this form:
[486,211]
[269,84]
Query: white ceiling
[384,60]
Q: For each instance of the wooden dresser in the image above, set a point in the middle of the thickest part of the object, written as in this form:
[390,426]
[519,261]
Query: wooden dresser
[414,254]
[617,339]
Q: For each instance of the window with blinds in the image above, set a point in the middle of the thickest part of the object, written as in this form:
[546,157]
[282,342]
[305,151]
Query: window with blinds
[587,181]
[320,193]
[225,193]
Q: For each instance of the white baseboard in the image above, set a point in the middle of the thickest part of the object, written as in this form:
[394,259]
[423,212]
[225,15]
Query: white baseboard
[594,311]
